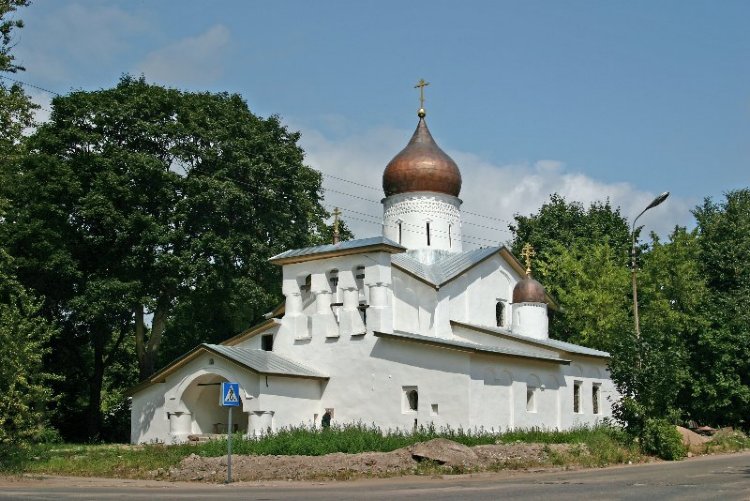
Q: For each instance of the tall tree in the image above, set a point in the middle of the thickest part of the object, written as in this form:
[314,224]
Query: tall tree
[24,334]
[722,361]
[139,208]
[654,370]
[584,264]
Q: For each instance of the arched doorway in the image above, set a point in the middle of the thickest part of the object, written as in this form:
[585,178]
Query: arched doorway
[201,397]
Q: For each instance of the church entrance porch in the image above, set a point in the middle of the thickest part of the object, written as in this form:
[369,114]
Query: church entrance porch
[202,414]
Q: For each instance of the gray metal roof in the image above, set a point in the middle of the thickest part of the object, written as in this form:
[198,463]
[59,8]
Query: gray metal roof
[548,343]
[469,346]
[265,362]
[349,245]
[447,267]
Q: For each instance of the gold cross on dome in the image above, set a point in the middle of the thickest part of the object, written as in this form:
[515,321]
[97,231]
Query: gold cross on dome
[528,252]
[421,85]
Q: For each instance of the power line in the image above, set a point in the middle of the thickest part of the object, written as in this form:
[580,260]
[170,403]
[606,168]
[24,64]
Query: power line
[379,189]
[350,181]
[350,195]
[417,229]
[27,84]
[502,230]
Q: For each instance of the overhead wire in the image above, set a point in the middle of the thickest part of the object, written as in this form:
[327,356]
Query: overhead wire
[27,84]
[471,239]
[493,218]
[331,176]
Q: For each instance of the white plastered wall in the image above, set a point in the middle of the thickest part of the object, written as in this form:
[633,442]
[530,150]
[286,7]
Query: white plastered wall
[474,295]
[170,411]
[406,216]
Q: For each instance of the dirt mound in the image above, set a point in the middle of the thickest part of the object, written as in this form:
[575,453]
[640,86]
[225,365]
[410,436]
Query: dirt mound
[690,438]
[451,455]
[214,469]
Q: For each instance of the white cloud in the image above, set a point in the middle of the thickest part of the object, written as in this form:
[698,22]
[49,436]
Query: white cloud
[70,38]
[194,60]
[495,191]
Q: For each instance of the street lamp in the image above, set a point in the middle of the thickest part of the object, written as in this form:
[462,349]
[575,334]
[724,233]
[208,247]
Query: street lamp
[633,266]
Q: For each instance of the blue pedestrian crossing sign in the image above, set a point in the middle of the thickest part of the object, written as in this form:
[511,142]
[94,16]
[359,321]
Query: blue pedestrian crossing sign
[230,394]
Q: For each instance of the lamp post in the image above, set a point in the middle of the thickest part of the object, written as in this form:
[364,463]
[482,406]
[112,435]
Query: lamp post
[634,267]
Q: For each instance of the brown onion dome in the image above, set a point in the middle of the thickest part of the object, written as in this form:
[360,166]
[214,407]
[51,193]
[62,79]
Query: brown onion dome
[422,166]
[529,290]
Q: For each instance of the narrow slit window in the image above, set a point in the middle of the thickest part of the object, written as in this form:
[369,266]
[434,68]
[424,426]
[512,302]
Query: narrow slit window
[428,234]
[595,394]
[450,238]
[399,232]
[530,399]
[577,397]
[500,313]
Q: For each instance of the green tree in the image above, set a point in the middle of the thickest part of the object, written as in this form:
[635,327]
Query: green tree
[24,384]
[721,362]
[8,25]
[143,203]
[16,110]
[654,371]
[584,264]
[568,223]
[592,285]
[582,255]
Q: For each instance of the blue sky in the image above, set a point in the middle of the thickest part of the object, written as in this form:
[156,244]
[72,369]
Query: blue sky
[594,100]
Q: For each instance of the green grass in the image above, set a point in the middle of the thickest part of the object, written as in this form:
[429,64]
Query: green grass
[105,460]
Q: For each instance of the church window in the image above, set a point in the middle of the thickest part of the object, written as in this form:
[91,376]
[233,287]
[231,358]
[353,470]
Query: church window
[428,233]
[530,398]
[434,410]
[333,278]
[411,399]
[577,397]
[363,310]
[266,342]
[359,273]
[305,289]
[595,394]
[450,239]
[399,231]
[500,313]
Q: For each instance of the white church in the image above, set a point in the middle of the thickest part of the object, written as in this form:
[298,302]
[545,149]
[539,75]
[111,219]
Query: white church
[398,330]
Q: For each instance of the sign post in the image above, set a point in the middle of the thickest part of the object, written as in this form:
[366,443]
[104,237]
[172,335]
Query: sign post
[230,397]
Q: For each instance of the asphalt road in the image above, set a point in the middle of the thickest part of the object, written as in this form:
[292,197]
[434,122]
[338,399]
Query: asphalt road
[725,477]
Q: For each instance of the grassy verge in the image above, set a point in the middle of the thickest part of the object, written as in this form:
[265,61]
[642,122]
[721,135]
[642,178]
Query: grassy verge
[100,460]
[587,447]
[727,441]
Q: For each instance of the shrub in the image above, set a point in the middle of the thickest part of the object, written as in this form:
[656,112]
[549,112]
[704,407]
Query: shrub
[662,439]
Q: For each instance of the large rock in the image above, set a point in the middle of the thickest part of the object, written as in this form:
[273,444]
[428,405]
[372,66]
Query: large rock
[443,451]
